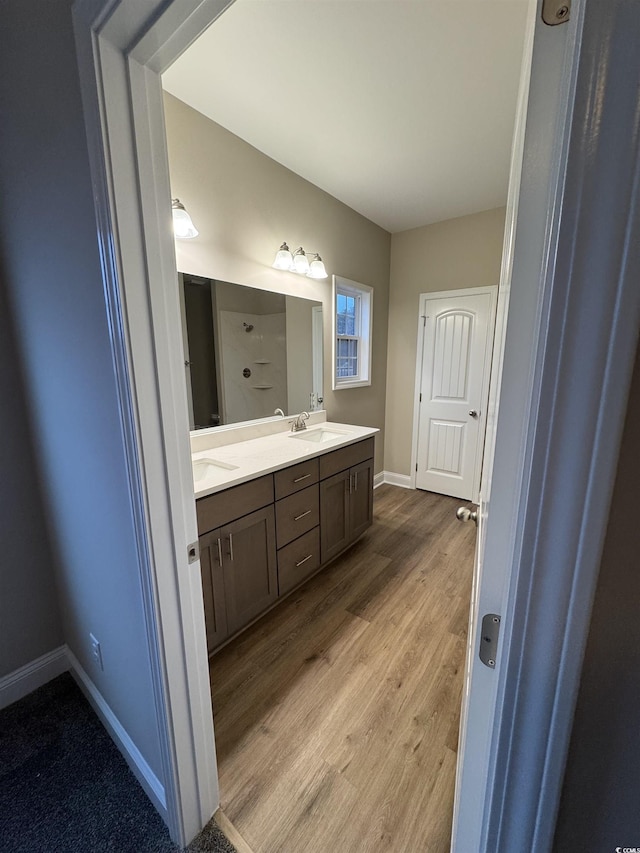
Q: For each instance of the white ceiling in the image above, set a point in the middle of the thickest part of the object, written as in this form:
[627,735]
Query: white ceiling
[402,109]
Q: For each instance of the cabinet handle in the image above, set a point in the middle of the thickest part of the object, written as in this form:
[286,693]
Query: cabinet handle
[231,547]
[350,483]
[355,482]
[298,517]
[304,561]
[300,479]
[219,551]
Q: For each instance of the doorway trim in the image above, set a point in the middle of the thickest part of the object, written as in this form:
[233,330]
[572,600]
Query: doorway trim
[492,290]
[122,49]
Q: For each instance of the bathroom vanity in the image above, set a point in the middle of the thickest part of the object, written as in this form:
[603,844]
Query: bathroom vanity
[272,511]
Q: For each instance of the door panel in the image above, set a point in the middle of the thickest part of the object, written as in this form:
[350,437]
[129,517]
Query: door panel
[452,333]
[456,351]
[334,515]
[361,498]
[249,566]
[446,440]
[215,613]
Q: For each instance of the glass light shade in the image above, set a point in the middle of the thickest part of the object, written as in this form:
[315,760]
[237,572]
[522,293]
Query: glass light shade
[300,262]
[183,227]
[284,258]
[316,268]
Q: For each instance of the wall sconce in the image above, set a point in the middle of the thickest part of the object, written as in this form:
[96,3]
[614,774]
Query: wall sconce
[299,262]
[183,227]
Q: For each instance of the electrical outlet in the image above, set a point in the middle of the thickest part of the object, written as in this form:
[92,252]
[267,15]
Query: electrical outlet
[96,651]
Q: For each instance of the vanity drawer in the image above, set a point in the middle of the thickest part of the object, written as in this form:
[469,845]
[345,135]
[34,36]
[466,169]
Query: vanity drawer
[223,507]
[296,478]
[345,457]
[296,514]
[298,560]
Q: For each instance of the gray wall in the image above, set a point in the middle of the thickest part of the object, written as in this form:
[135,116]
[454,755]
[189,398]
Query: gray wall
[54,281]
[599,809]
[30,623]
[449,255]
[245,204]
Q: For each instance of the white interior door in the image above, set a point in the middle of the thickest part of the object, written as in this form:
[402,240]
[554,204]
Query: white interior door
[456,357]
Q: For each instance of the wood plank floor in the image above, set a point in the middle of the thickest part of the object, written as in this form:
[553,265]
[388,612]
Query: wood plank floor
[336,715]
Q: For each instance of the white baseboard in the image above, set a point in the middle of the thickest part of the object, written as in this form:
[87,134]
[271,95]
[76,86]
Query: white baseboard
[134,758]
[402,480]
[32,675]
[378,479]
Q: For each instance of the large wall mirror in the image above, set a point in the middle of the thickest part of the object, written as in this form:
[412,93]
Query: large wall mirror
[248,352]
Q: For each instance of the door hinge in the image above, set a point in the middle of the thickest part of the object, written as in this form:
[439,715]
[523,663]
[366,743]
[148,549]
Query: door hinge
[556,12]
[424,320]
[420,398]
[416,467]
[489,639]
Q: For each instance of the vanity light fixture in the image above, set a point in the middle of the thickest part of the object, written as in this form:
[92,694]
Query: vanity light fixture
[316,267]
[299,262]
[183,226]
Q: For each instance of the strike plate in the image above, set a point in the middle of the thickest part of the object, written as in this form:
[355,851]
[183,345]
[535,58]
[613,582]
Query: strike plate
[556,12]
[193,552]
[489,639]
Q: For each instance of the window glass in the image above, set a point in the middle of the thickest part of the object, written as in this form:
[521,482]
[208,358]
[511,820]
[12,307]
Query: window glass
[352,333]
[346,314]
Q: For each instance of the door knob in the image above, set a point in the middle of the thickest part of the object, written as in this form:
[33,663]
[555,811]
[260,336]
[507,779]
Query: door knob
[464,514]
[474,413]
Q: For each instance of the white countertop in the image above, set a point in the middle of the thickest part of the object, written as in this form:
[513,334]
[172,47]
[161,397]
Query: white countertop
[252,457]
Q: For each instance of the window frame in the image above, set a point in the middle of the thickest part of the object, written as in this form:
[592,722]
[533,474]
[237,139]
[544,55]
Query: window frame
[364,329]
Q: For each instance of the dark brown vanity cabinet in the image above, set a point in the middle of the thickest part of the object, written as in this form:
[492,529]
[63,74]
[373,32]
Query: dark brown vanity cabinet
[334,506]
[238,557]
[297,523]
[260,540]
[346,498]
[239,573]
[361,498]
[249,567]
[298,561]
[215,611]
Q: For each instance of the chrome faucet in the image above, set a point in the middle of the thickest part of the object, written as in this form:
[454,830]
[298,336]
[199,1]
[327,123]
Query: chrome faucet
[299,422]
[279,412]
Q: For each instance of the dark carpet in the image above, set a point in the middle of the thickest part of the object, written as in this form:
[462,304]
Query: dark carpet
[65,788]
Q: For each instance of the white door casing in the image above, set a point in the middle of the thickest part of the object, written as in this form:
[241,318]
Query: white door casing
[122,49]
[454,362]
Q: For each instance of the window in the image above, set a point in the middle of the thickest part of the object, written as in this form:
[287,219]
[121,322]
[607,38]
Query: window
[352,315]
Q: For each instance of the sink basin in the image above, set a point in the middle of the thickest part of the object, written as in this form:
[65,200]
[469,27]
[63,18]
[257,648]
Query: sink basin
[203,468]
[318,435]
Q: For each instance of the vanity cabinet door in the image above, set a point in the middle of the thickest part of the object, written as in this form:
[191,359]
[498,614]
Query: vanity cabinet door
[215,613]
[334,515]
[361,498]
[249,567]
[346,508]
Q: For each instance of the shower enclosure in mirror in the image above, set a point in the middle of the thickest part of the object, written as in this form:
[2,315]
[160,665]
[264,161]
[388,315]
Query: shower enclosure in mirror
[248,352]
